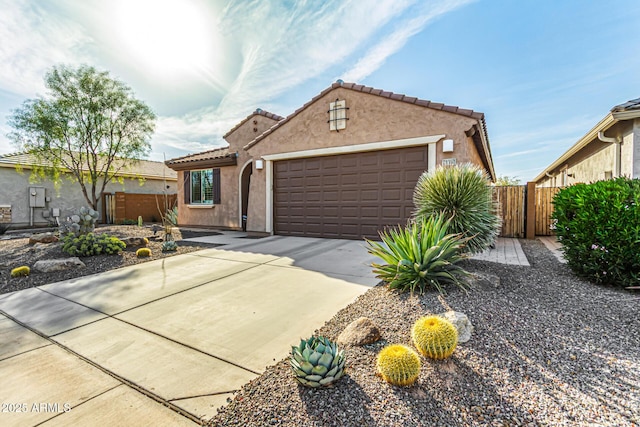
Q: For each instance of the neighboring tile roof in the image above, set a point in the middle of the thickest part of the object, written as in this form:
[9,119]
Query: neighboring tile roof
[260,112]
[634,104]
[145,168]
[379,92]
[215,154]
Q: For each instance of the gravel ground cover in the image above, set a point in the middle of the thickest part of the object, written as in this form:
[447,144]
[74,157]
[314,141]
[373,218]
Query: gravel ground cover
[17,252]
[548,349]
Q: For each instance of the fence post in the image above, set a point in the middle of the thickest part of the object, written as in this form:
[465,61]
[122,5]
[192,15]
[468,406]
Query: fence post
[531,210]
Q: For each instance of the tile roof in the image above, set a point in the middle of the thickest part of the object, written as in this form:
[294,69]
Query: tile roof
[219,154]
[379,92]
[634,104]
[260,112]
[145,168]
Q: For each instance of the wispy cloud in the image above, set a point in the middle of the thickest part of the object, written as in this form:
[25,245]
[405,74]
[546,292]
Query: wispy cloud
[376,56]
[33,40]
[284,47]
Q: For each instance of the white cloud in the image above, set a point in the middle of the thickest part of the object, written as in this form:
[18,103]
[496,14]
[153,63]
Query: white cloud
[375,57]
[33,40]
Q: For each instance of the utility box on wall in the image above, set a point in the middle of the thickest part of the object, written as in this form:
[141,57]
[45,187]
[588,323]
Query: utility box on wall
[36,197]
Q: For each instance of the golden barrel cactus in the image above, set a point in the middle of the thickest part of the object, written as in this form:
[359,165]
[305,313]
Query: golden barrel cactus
[143,252]
[434,337]
[398,364]
[21,271]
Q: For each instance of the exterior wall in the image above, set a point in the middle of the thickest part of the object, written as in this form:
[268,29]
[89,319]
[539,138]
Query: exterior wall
[224,214]
[14,192]
[626,153]
[371,119]
[227,213]
[636,149]
[594,167]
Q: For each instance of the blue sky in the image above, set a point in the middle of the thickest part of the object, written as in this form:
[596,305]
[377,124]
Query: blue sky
[543,72]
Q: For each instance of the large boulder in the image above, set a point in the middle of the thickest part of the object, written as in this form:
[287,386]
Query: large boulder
[359,332]
[43,238]
[462,324]
[51,265]
[135,242]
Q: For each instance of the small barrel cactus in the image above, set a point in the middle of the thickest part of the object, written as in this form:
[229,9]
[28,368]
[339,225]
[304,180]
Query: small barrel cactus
[317,362]
[21,271]
[143,252]
[434,337]
[398,365]
[169,246]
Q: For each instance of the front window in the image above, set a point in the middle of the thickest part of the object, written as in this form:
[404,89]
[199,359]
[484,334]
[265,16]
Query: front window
[202,186]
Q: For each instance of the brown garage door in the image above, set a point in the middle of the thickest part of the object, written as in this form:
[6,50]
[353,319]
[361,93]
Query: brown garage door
[347,196]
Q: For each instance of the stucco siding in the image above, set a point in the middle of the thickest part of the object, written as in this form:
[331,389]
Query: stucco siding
[224,214]
[594,167]
[68,198]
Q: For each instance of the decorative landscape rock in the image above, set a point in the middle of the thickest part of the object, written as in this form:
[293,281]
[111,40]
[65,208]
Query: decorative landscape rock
[51,265]
[462,324]
[133,242]
[359,332]
[484,280]
[43,238]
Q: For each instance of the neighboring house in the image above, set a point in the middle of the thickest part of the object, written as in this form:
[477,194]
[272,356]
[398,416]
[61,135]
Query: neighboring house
[25,203]
[609,150]
[344,165]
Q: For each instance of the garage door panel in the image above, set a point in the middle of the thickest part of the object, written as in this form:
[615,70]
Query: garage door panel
[346,196]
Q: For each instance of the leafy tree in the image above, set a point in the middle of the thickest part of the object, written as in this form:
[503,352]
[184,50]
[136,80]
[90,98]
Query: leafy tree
[507,180]
[90,126]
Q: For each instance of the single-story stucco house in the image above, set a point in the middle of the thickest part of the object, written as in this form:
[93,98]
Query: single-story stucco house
[25,203]
[609,150]
[344,165]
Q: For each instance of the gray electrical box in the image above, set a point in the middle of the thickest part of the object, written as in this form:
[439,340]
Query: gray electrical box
[36,197]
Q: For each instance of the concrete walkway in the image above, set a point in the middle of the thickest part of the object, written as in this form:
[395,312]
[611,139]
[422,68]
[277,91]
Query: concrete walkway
[168,341]
[506,251]
[551,242]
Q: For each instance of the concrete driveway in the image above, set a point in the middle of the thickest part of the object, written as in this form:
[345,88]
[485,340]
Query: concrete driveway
[168,341]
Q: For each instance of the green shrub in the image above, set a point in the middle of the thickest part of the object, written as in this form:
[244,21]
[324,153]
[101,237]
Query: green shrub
[463,194]
[598,226]
[127,221]
[171,216]
[419,256]
[89,244]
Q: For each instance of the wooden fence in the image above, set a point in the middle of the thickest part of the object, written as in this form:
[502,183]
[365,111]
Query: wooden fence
[128,206]
[525,209]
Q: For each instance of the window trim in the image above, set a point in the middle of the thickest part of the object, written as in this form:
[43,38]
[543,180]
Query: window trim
[215,188]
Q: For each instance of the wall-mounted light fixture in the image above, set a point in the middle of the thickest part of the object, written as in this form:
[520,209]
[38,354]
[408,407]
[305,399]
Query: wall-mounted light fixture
[259,164]
[447,146]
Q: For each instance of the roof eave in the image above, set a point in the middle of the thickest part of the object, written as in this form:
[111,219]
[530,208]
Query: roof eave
[604,124]
[230,160]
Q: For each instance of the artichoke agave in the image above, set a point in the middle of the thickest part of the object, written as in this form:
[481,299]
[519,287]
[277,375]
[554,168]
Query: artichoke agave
[317,362]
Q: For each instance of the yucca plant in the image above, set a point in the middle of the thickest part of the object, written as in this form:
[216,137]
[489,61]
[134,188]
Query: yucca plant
[463,194]
[419,256]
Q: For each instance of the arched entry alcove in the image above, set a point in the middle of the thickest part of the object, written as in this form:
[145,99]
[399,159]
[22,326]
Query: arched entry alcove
[245,182]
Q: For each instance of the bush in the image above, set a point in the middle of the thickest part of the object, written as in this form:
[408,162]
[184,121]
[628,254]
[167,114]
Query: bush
[169,246]
[419,256]
[598,226]
[463,194]
[89,244]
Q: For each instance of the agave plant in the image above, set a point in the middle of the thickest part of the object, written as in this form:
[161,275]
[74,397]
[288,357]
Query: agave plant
[463,193]
[419,256]
[317,362]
